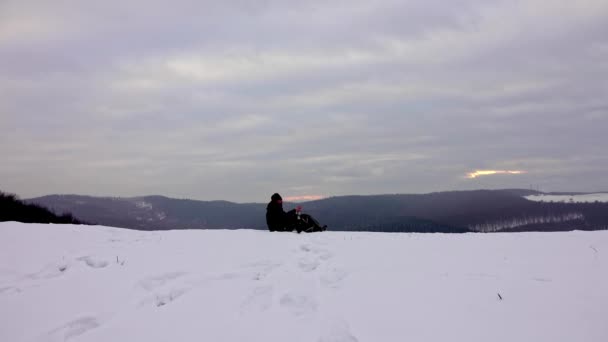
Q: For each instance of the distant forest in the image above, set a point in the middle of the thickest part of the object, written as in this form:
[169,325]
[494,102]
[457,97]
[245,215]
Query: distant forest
[13,209]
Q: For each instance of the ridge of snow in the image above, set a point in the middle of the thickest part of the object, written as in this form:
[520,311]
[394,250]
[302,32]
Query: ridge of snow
[143,205]
[524,221]
[83,283]
[585,198]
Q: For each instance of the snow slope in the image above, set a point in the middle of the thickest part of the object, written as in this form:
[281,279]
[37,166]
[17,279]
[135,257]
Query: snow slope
[70,283]
[585,198]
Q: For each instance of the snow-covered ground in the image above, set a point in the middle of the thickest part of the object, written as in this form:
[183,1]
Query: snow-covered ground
[61,282]
[601,197]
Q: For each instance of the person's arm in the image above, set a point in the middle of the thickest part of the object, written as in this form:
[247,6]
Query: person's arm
[293,211]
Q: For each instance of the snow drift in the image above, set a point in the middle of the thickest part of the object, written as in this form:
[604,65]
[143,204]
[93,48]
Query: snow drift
[79,283]
[583,198]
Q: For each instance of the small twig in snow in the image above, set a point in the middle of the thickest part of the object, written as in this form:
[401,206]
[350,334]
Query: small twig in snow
[121,263]
[499,296]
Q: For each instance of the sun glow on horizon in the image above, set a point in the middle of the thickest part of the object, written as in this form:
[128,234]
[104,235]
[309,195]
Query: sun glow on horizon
[303,198]
[479,173]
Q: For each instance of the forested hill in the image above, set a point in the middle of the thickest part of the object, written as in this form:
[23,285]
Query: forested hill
[455,211]
[13,209]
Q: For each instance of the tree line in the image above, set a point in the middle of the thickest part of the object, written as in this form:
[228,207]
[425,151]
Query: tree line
[13,209]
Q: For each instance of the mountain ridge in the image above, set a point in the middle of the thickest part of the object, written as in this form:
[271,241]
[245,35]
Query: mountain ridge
[449,211]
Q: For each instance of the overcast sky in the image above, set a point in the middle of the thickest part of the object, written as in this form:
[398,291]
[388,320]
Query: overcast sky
[236,100]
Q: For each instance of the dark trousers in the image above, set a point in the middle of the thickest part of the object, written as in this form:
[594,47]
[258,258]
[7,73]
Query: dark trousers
[304,223]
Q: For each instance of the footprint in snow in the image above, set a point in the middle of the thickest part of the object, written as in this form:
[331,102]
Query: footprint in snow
[93,262]
[333,277]
[260,299]
[298,304]
[337,331]
[227,276]
[162,290]
[49,271]
[9,290]
[261,270]
[306,248]
[308,265]
[325,255]
[261,263]
[157,281]
[322,253]
[482,275]
[164,298]
[75,328]
[542,280]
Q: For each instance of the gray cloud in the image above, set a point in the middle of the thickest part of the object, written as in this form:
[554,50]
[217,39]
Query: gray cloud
[239,99]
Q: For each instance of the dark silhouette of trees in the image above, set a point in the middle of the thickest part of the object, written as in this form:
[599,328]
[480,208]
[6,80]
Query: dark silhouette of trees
[13,209]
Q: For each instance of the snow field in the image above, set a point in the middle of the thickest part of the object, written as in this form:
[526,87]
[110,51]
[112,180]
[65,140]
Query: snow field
[71,283]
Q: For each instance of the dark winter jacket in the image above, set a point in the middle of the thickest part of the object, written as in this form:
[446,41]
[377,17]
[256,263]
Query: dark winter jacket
[276,217]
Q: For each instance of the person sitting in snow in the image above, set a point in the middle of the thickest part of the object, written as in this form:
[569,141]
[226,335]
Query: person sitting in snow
[279,220]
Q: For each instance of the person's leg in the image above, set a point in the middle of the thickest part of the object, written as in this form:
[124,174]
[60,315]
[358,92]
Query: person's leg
[312,224]
[315,222]
[291,221]
[310,220]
